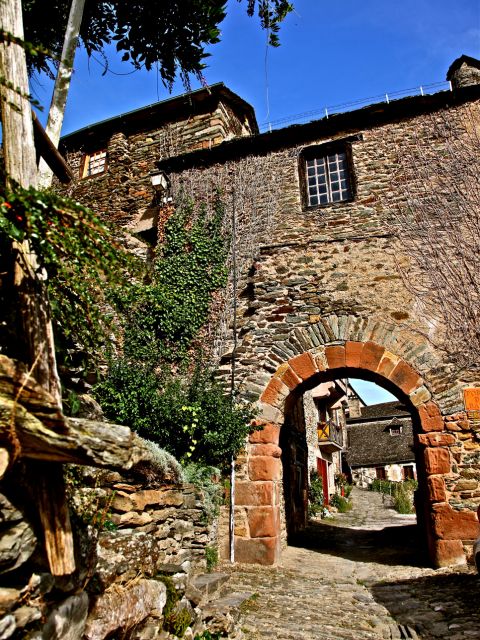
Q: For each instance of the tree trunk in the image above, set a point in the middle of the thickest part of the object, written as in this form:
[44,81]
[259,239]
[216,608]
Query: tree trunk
[31,312]
[35,335]
[62,85]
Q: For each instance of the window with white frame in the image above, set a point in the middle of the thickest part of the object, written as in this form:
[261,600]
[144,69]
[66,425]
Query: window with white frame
[326,172]
[328,178]
[94,163]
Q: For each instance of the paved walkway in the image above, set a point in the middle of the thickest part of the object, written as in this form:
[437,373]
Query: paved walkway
[359,577]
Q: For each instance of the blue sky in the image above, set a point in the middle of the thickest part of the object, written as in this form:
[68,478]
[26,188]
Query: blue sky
[331,53]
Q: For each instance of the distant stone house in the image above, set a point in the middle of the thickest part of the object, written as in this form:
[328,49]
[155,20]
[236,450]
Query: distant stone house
[380,444]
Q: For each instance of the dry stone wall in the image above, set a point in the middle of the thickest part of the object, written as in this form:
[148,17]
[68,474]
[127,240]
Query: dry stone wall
[128,534]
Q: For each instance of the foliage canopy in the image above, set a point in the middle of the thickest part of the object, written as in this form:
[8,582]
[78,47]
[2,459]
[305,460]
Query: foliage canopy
[172,34]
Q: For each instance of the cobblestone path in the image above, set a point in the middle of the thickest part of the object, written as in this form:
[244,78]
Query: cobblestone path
[358,577]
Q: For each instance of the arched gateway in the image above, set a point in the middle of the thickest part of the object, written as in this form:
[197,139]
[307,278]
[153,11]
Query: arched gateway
[259,526]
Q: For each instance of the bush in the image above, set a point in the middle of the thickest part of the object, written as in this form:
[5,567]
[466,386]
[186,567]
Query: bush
[315,495]
[188,416]
[204,478]
[403,499]
[342,504]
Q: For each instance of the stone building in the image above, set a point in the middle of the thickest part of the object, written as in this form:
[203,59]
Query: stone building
[380,444]
[320,296]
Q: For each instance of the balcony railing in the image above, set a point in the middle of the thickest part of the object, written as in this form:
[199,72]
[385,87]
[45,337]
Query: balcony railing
[329,435]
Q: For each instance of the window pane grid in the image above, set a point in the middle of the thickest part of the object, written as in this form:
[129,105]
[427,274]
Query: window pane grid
[327,179]
[95,163]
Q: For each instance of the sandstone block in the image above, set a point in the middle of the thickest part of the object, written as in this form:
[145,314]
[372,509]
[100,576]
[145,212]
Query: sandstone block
[448,553]
[269,413]
[335,356]
[264,468]
[353,353]
[290,378]
[372,354]
[449,524]
[436,439]
[436,489]
[430,417]
[437,461]
[270,434]
[387,364]
[303,365]
[420,396]
[264,551]
[405,378]
[265,450]
[122,502]
[254,493]
[466,485]
[132,519]
[471,398]
[263,522]
[275,392]
[141,499]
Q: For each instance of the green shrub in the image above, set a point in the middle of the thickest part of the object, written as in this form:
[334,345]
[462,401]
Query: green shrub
[188,416]
[342,504]
[211,557]
[206,479]
[348,490]
[315,495]
[402,499]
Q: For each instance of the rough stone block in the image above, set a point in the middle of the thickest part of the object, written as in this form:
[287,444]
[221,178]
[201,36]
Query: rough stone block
[156,496]
[264,522]
[405,378]
[275,392]
[265,450]
[448,553]
[303,365]
[436,489]
[353,353]
[269,413]
[253,494]
[430,417]
[270,434]
[436,439]
[419,396]
[264,468]
[122,502]
[371,356]
[387,364]
[264,551]
[437,461]
[449,524]
[471,398]
[335,356]
[290,378]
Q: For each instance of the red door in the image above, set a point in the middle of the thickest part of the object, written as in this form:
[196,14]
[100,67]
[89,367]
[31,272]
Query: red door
[322,471]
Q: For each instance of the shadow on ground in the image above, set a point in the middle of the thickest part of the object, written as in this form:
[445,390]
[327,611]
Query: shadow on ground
[438,606]
[390,546]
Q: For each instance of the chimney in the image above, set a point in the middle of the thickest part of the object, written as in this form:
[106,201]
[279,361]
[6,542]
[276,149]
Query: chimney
[354,410]
[464,72]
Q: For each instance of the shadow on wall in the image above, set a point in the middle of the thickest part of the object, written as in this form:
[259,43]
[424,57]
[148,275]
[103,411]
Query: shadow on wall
[400,545]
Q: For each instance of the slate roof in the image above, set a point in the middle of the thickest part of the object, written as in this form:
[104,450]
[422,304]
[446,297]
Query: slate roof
[383,410]
[371,444]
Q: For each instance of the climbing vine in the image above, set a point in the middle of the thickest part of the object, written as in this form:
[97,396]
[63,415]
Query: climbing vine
[163,318]
[76,251]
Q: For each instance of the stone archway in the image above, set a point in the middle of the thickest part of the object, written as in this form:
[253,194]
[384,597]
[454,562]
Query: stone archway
[258,488]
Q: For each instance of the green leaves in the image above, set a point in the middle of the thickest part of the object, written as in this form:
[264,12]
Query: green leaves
[83,263]
[163,318]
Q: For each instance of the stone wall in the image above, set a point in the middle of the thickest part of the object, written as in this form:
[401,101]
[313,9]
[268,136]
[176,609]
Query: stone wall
[129,532]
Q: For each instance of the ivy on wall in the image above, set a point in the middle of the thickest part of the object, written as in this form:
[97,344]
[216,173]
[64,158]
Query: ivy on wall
[84,265]
[164,316]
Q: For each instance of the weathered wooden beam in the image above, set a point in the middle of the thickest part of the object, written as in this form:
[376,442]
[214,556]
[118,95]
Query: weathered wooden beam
[47,485]
[48,151]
